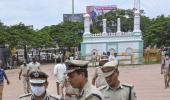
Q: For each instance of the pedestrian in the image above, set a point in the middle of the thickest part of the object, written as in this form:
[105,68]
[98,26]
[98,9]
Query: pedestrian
[115,90]
[34,65]
[71,57]
[165,69]
[70,93]
[113,57]
[59,70]
[2,76]
[103,59]
[78,77]
[94,59]
[39,84]
[98,79]
[24,71]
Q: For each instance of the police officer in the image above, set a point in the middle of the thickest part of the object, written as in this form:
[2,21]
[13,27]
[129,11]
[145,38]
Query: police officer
[34,65]
[165,69]
[78,77]
[25,78]
[94,59]
[39,83]
[114,90]
[98,80]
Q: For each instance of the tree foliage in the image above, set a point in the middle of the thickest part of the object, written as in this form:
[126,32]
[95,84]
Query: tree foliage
[66,34]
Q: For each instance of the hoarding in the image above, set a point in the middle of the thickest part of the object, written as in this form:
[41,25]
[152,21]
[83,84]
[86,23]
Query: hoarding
[95,11]
[73,17]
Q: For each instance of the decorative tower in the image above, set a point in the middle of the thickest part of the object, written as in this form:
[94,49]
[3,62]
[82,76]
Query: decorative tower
[118,26]
[137,17]
[86,25]
[104,27]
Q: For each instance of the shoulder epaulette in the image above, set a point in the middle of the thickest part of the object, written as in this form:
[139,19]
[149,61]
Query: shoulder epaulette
[54,97]
[127,85]
[25,95]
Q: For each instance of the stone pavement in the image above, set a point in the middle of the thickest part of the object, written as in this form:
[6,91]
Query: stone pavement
[147,80]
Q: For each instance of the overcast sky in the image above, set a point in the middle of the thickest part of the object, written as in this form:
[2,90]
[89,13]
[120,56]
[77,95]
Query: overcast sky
[40,13]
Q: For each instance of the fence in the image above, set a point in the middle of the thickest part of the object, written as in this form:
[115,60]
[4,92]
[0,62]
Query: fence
[123,59]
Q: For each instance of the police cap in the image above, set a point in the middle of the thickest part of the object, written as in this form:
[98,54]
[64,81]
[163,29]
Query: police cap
[38,77]
[109,68]
[74,65]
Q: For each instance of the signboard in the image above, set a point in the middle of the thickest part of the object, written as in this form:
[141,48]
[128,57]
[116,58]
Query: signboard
[73,17]
[95,11]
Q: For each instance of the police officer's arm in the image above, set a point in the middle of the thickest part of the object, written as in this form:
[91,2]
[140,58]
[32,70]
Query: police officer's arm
[38,65]
[94,97]
[94,78]
[28,69]
[162,66]
[133,94]
[20,73]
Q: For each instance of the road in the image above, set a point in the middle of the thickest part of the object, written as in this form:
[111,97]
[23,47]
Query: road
[147,80]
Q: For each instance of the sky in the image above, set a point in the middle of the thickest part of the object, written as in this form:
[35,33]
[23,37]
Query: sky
[40,13]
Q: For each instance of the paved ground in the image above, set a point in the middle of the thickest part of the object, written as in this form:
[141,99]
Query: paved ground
[147,80]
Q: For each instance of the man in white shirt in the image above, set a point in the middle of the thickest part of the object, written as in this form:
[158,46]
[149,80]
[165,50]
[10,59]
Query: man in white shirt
[111,57]
[59,70]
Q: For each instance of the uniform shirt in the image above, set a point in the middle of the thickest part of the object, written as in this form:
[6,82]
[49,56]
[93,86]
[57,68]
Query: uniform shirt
[166,62]
[32,97]
[24,70]
[68,88]
[89,92]
[70,92]
[34,66]
[111,58]
[122,92]
[94,58]
[100,80]
[59,71]
[71,58]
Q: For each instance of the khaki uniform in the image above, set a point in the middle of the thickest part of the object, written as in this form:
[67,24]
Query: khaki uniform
[34,66]
[100,80]
[70,92]
[25,78]
[166,70]
[93,59]
[122,92]
[31,97]
[89,92]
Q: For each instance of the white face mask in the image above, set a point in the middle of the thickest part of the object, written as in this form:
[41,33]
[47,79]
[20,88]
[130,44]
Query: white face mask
[38,90]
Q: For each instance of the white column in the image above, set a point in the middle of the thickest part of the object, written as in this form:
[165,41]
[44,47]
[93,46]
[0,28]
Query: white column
[72,6]
[137,16]
[118,25]
[104,26]
[86,24]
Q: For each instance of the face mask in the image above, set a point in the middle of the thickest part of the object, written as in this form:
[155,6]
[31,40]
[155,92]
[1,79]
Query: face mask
[38,90]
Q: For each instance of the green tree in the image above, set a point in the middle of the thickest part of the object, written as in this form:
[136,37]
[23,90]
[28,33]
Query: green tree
[158,32]
[65,34]
[3,33]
